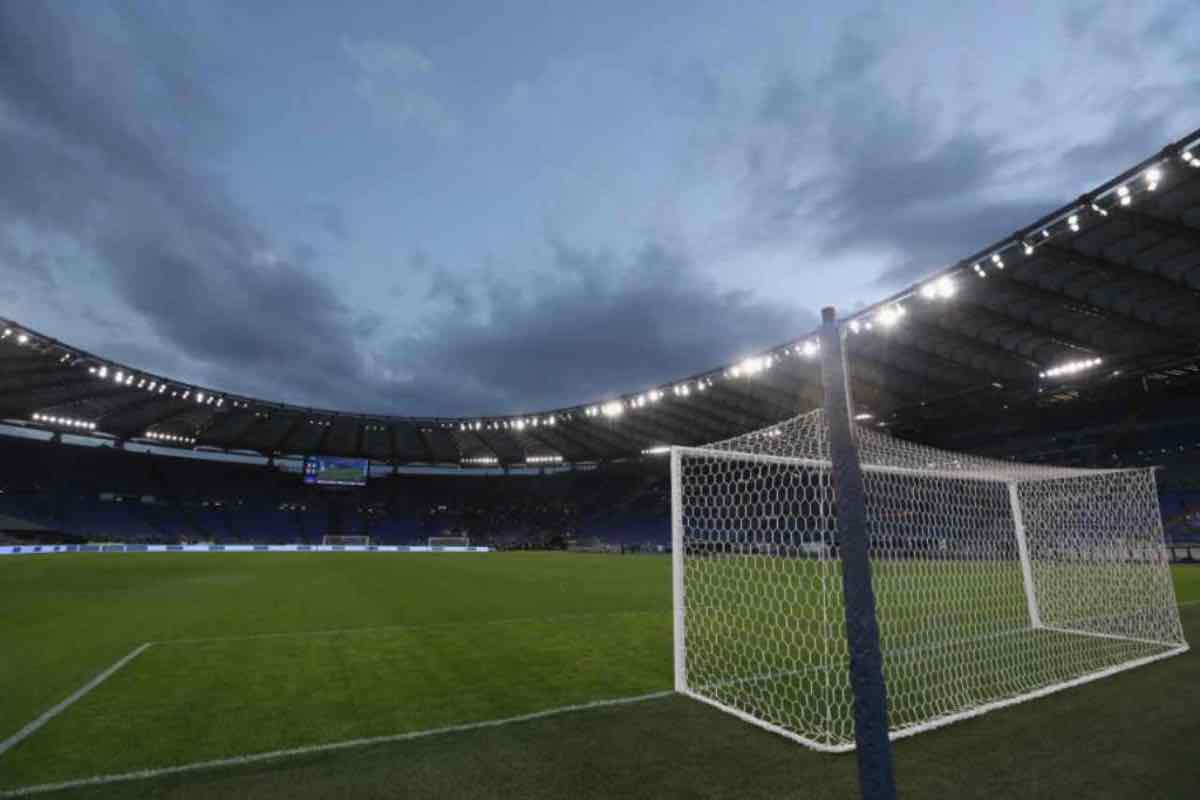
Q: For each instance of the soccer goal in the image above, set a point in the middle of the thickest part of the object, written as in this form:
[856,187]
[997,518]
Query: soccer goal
[996,582]
[449,541]
[346,540]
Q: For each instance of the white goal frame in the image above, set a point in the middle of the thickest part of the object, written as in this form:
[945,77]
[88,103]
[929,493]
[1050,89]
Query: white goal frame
[345,540]
[449,541]
[1137,549]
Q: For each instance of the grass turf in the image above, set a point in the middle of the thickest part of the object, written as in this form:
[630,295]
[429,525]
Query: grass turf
[476,637]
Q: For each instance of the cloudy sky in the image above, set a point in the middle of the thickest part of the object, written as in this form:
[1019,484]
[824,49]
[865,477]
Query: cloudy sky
[462,208]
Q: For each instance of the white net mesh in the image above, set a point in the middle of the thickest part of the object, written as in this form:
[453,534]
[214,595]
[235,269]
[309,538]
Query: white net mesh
[995,581]
[449,541]
[340,539]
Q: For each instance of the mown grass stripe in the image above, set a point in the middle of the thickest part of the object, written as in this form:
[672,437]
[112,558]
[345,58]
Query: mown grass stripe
[55,710]
[25,791]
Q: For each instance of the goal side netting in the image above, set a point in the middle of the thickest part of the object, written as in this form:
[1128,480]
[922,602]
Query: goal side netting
[341,540]
[995,582]
[449,541]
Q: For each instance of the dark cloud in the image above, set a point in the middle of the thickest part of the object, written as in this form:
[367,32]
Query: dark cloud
[1082,18]
[906,181]
[331,218]
[34,268]
[101,157]
[893,182]
[595,323]
[114,160]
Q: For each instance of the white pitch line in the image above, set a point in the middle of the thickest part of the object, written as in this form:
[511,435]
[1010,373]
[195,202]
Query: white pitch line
[25,791]
[54,711]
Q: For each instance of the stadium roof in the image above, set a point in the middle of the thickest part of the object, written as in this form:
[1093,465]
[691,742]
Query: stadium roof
[1067,319]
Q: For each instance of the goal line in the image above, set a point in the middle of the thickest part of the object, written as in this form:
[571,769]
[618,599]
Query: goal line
[347,744]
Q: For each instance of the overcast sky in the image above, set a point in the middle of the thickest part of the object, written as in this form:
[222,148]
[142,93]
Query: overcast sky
[460,208]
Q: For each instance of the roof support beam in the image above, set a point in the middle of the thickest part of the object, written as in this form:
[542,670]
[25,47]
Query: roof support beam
[691,414]
[1029,288]
[1149,281]
[610,430]
[546,438]
[599,449]
[289,431]
[995,318]
[1164,226]
[665,427]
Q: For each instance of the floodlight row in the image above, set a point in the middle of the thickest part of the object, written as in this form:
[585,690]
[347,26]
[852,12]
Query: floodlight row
[64,422]
[170,437]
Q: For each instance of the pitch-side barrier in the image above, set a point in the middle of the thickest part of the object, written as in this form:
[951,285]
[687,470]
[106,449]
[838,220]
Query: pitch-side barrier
[41,549]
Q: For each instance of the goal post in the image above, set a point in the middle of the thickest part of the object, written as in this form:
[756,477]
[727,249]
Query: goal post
[996,582]
[340,540]
[449,541]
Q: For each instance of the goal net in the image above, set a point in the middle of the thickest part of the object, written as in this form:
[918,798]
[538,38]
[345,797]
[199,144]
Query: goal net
[345,540]
[449,541]
[995,582]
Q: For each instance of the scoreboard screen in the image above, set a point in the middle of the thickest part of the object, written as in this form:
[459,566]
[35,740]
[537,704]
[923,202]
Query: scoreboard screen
[326,471]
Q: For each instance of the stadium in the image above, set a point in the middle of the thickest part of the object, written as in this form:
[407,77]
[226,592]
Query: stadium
[944,544]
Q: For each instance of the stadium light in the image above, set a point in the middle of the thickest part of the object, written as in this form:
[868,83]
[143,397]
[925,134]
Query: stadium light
[7,333]
[864,416]
[22,338]
[941,289]
[1153,176]
[1073,221]
[657,450]
[889,315]
[1123,193]
[998,261]
[1071,367]
[64,422]
[613,408]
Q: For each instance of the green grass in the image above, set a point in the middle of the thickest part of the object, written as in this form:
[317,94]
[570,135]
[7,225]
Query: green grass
[443,639]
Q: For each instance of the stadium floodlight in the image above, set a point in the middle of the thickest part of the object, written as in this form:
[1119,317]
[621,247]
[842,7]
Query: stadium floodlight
[1071,367]
[1073,222]
[995,582]
[889,315]
[1123,193]
[939,289]
[1153,176]
[22,338]
[613,408]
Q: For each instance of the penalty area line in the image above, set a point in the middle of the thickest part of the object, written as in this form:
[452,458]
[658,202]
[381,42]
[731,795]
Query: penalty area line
[252,758]
[55,710]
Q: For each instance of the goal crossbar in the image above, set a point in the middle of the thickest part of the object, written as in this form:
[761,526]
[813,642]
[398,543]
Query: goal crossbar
[997,582]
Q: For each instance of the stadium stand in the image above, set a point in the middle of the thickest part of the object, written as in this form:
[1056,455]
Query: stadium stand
[105,493]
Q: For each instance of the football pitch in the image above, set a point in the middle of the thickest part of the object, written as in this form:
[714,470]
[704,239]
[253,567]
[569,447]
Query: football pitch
[259,653]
